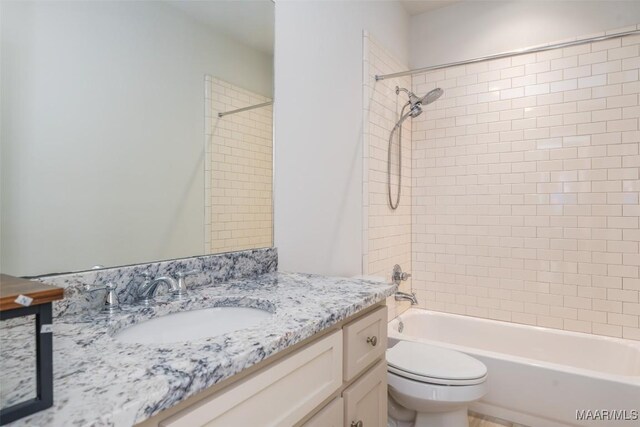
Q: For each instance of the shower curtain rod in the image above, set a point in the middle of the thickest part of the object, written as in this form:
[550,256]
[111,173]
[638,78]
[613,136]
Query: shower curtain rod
[240,110]
[510,53]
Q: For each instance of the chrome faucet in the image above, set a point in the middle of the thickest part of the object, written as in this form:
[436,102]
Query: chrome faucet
[404,296]
[397,276]
[146,292]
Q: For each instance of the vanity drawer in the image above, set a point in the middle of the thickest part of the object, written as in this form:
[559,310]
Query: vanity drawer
[330,416]
[365,340]
[281,394]
[365,401]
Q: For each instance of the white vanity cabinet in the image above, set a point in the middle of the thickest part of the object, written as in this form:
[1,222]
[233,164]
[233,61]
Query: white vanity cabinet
[365,401]
[336,379]
[365,341]
[363,395]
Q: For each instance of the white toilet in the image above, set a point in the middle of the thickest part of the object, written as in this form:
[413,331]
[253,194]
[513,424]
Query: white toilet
[431,386]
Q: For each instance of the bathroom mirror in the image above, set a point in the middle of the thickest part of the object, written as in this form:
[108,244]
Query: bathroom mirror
[113,149]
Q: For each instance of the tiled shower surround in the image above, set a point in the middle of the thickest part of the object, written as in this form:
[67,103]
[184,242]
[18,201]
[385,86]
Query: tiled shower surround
[387,233]
[238,171]
[525,189]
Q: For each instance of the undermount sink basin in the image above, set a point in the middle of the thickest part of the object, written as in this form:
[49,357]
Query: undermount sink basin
[192,325]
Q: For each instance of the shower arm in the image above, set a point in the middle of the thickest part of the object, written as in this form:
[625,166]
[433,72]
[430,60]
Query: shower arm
[401,89]
[413,99]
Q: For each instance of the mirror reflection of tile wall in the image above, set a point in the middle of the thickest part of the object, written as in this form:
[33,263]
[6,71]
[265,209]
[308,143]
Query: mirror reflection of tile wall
[238,169]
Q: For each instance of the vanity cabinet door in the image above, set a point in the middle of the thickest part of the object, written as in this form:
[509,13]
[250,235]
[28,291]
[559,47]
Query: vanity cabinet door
[365,341]
[329,416]
[365,401]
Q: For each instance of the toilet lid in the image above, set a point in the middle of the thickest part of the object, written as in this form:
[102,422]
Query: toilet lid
[432,364]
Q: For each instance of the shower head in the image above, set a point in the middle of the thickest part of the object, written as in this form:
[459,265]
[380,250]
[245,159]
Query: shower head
[416,102]
[432,96]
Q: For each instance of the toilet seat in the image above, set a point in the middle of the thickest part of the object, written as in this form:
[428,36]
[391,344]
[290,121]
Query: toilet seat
[431,364]
[407,392]
[435,381]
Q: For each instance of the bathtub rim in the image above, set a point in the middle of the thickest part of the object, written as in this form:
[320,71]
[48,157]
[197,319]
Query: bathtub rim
[393,333]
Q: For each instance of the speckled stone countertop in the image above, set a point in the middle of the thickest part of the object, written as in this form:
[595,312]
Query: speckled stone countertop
[99,381]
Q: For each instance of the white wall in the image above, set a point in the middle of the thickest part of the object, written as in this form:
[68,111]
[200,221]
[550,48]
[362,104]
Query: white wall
[318,128]
[472,29]
[103,131]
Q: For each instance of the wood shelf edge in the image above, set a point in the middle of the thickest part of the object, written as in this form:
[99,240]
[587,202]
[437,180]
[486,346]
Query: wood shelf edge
[11,287]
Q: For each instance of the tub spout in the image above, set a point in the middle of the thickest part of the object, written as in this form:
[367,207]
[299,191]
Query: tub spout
[404,296]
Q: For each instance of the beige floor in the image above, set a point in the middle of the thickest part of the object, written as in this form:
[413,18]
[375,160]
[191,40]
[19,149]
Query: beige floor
[477,420]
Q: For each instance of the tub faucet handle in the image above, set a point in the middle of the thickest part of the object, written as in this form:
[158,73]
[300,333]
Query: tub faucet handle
[398,275]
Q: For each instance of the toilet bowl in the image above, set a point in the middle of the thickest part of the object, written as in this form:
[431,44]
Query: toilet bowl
[435,383]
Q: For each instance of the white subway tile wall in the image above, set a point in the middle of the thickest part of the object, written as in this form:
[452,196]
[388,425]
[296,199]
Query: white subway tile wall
[238,170]
[386,233]
[525,186]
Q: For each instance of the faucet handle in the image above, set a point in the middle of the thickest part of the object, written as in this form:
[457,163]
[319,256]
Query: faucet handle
[182,285]
[111,303]
[183,274]
[398,275]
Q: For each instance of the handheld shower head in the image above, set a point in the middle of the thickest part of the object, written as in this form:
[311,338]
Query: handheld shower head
[415,109]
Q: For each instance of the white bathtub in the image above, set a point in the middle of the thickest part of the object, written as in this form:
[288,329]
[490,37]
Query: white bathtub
[538,377]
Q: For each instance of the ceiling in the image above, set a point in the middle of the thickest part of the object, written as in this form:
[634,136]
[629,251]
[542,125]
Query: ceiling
[416,7]
[251,22]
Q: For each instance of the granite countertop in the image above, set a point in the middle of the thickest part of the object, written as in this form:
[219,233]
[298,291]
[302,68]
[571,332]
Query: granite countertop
[99,381]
